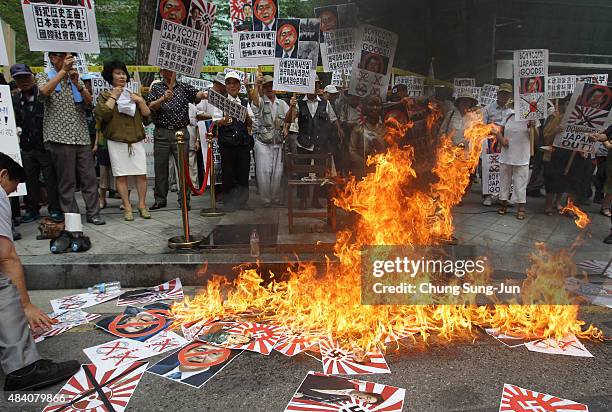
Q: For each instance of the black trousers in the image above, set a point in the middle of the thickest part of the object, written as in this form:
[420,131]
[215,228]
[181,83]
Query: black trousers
[235,167]
[35,161]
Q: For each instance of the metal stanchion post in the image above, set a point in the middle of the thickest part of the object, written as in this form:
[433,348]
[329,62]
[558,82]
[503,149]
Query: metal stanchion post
[213,211]
[187,241]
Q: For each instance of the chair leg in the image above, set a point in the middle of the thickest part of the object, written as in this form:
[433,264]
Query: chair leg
[290,207]
[331,213]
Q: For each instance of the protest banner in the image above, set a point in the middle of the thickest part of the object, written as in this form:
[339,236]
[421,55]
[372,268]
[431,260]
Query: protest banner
[181,34]
[593,78]
[460,85]
[9,141]
[58,27]
[589,111]
[491,152]
[415,85]
[241,15]
[337,35]
[294,75]
[4,60]
[374,54]
[150,149]
[559,87]
[308,44]
[228,107]
[530,71]
[80,63]
[488,94]
[287,36]
[253,48]
[341,77]
[199,84]
[98,85]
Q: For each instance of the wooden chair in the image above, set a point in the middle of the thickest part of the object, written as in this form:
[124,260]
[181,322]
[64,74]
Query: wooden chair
[306,164]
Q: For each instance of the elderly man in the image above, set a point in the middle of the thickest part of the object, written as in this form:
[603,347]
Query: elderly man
[270,113]
[169,99]
[29,114]
[66,135]
[20,361]
[235,142]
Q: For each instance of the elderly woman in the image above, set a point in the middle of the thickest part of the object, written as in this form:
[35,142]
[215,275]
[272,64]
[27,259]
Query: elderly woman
[122,114]
[367,139]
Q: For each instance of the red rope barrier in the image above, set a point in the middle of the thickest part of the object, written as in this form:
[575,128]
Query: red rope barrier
[194,191]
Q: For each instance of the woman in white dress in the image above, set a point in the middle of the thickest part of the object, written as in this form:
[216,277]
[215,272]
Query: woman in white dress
[122,114]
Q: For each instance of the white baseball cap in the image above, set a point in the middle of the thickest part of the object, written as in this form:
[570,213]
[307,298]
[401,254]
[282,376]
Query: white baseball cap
[331,89]
[232,75]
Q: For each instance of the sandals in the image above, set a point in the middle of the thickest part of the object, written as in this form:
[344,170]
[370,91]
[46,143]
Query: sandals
[128,216]
[144,213]
[502,210]
[605,211]
[520,215]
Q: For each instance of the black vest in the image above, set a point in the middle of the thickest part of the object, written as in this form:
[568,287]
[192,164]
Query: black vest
[236,133]
[29,116]
[313,130]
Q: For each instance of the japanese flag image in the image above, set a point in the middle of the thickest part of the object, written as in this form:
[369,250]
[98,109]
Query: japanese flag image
[170,290]
[263,337]
[569,345]
[517,399]
[340,361]
[192,330]
[293,343]
[98,390]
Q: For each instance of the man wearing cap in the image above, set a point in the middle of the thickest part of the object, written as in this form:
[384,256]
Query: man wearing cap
[235,142]
[270,113]
[66,135]
[29,114]
[496,112]
[169,99]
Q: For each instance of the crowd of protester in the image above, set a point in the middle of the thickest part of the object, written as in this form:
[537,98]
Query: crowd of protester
[70,143]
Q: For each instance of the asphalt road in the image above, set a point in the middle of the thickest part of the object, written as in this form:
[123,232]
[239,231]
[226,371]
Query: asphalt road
[455,376]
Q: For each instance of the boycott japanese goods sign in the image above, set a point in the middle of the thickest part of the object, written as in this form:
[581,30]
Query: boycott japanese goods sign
[374,54]
[294,75]
[63,26]
[589,111]
[530,72]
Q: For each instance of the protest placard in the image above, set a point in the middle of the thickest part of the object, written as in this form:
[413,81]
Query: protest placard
[415,85]
[181,35]
[228,107]
[98,85]
[9,142]
[199,84]
[593,78]
[4,60]
[488,94]
[491,153]
[241,15]
[308,44]
[294,75]
[341,77]
[530,71]
[149,142]
[287,36]
[253,48]
[374,54]
[337,37]
[589,111]
[559,87]
[56,27]
[463,85]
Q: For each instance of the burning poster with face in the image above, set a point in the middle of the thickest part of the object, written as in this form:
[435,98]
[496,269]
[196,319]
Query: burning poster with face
[293,343]
[517,399]
[67,25]
[374,54]
[194,364]
[589,111]
[181,34]
[97,389]
[341,361]
[530,71]
[171,290]
[136,323]
[319,392]
[337,35]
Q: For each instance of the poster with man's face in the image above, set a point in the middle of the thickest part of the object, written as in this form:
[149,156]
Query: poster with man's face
[136,323]
[241,15]
[265,14]
[287,37]
[194,364]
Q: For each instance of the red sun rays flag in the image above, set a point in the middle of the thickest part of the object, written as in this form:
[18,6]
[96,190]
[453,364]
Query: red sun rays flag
[169,290]
[294,343]
[340,361]
[517,399]
[96,390]
[263,337]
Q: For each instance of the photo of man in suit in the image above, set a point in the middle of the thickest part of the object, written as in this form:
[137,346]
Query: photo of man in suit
[266,13]
[287,39]
[333,389]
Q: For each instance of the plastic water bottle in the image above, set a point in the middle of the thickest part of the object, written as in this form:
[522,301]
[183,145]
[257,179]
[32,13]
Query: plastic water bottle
[254,243]
[107,287]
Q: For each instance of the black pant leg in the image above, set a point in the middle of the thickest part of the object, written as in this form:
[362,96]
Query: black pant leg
[32,172]
[242,168]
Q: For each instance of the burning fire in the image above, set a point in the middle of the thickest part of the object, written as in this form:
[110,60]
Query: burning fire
[581,218]
[393,209]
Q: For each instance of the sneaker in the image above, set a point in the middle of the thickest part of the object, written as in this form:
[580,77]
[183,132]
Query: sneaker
[96,220]
[29,216]
[157,205]
[57,217]
[487,201]
[40,374]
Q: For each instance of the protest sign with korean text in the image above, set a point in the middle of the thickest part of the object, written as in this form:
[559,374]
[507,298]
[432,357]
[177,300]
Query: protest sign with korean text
[294,75]
[4,60]
[9,142]
[460,85]
[488,94]
[308,44]
[593,78]
[80,63]
[560,86]
[530,71]
[374,54]
[589,111]
[415,85]
[228,107]
[181,34]
[53,27]
[253,48]
[337,35]
[341,77]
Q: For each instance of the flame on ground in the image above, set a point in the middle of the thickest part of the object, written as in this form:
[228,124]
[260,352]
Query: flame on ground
[581,219]
[393,208]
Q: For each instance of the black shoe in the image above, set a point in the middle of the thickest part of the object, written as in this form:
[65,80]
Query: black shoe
[16,235]
[96,220]
[245,207]
[40,374]
[157,206]
[608,240]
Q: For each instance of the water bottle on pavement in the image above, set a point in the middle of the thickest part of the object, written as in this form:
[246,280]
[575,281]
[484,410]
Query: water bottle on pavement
[254,243]
[107,287]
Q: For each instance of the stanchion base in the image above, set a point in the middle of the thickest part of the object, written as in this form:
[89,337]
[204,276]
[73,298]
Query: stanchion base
[212,212]
[179,242]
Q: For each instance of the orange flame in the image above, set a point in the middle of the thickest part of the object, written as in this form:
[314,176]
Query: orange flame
[581,218]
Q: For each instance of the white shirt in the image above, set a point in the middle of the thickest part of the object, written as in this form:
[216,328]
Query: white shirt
[312,108]
[184,375]
[518,151]
[6,216]
[273,130]
[493,113]
[287,54]
[192,128]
